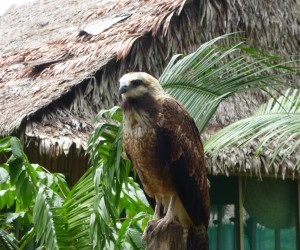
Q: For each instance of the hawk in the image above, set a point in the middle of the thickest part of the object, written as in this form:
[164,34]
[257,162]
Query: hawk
[163,144]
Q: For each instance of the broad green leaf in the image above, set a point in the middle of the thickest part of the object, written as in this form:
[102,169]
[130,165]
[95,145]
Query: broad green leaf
[16,168]
[4,175]
[2,199]
[10,198]
[27,192]
[16,147]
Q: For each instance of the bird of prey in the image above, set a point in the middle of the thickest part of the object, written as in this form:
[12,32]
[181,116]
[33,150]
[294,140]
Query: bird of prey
[163,144]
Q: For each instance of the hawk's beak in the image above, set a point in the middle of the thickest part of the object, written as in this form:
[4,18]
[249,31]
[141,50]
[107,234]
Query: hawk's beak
[123,89]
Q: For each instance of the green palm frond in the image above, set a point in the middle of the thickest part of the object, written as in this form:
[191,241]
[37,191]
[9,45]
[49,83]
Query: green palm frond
[118,199]
[49,224]
[78,208]
[8,241]
[275,125]
[22,173]
[109,172]
[201,80]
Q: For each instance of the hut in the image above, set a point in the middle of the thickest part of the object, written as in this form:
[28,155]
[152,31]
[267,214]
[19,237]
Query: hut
[60,65]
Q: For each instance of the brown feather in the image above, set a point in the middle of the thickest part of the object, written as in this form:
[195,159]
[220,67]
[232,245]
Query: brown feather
[163,143]
[185,143]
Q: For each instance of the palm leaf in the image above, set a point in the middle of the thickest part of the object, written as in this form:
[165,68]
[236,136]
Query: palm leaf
[275,125]
[78,207]
[8,241]
[116,194]
[201,80]
[22,173]
[49,224]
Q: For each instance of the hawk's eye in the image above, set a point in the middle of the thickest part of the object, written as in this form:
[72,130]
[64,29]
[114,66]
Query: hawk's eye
[136,83]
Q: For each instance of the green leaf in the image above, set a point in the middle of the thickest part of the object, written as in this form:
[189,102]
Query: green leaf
[10,217]
[16,168]
[22,174]
[24,186]
[16,147]
[26,191]
[27,238]
[2,200]
[136,238]
[122,231]
[5,144]
[61,182]
[10,198]
[4,175]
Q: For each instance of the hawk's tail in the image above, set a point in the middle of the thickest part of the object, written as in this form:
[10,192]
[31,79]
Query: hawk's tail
[197,238]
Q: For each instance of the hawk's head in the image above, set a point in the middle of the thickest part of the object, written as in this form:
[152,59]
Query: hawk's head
[135,85]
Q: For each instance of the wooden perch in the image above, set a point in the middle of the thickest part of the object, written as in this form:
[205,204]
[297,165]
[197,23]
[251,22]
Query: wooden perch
[168,238]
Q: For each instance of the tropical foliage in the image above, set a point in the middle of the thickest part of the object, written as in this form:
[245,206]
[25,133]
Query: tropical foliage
[201,80]
[106,208]
[276,124]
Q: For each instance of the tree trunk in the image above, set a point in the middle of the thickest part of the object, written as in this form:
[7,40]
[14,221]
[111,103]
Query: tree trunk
[168,238]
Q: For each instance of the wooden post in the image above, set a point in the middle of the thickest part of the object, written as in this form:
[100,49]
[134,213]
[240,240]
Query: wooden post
[219,234]
[277,239]
[253,234]
[168,238]
[240,225]
[298,214]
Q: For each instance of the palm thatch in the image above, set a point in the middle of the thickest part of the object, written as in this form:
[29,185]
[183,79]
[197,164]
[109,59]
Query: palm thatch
[61,62]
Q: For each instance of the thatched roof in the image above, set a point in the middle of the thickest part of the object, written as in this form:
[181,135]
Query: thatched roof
[61,61]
